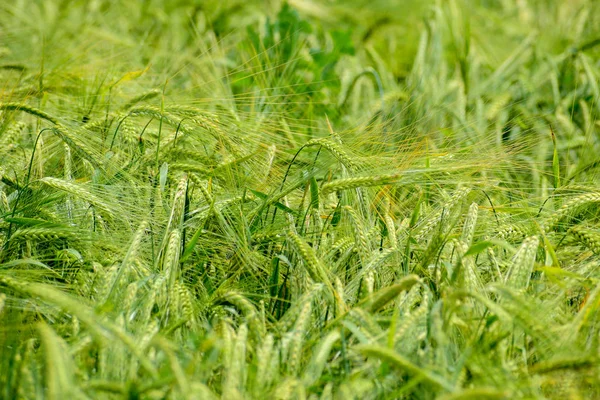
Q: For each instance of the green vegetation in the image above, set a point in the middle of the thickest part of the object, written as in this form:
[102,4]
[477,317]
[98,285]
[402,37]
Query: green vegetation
[303,200]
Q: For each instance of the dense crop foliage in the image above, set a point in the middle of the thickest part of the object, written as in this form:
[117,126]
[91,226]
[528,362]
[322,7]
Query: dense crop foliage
[303,200]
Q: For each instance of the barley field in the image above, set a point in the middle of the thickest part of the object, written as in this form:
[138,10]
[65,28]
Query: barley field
[384,199]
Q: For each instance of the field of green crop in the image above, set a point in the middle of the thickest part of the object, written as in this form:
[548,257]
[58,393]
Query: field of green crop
[383,199]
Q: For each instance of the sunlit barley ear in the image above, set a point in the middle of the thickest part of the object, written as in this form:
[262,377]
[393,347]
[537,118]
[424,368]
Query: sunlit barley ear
[521,268]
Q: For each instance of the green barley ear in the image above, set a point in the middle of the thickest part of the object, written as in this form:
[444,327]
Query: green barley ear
[176,217]
[320,357]
[341,306]
[522,264]
[297,336]
[380,299]
[571,206]
[512,233]
[439,216]
[29,110]
[335,149]
[362,324]
[470,223]
[398,361]
[266,364]
[171,265]
[588,237]
[311,262]
[9,137]
[235,374]
[78,191]
[127,263]
[60,372]
[248,310]
[361,236]
[358,182]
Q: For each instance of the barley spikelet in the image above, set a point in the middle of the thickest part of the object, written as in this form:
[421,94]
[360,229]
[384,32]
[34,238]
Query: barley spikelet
[42,234]
[437,217]
[319,359]
[313,265]
[10,136]
[27,388]
[415,320]
[289,319]
[152,329]
[127,263]
[130,295]
[512,233]
[236,373]
[247,308]
[179,202]
[470,223]
[226,334]
[522,264]
[171,258]
[588,237]
[79,192]
[265,374]
[297,338]
[29,110]
[391,228]
[360,234]
[185,301]
[369,282]
[570,206]
[467,267]
[74,141]
[108,283]
[157,287]
[341,301]
[384,296]
[341,246]
[3,199]
[365,322]
[357,182]
[150,94]
[191,167]
[335,149]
